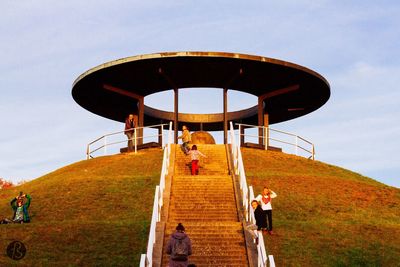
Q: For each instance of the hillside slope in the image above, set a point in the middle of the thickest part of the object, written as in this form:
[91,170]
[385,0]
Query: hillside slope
[97,212]
[325,215]
[93,212]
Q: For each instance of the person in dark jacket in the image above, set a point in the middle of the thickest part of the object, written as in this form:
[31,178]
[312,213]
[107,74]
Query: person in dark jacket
[129,131]
[20,208]
[259,215]
[260,220]
[179,248]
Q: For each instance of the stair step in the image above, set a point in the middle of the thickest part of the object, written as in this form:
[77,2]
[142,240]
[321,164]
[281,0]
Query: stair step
[203,206]
[211,199]
[204,219]
[206,205]
[201,210]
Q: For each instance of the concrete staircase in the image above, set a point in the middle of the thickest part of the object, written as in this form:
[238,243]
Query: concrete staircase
[205,204]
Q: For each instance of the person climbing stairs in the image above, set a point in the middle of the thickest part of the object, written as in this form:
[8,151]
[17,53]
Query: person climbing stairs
[206,205]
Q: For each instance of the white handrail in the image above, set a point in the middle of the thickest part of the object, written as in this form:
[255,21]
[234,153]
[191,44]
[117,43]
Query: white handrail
[266,137]
[147,259]
[135,138]
[247,197]
[239,168]
[262,253]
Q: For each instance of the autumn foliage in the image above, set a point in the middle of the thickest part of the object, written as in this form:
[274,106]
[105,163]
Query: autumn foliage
[5,184]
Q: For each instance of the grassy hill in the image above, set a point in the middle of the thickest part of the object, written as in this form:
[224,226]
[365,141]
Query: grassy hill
[93,212]
[97,212]
[325,215]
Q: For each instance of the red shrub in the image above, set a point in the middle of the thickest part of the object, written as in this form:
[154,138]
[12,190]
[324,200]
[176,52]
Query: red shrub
[5,184]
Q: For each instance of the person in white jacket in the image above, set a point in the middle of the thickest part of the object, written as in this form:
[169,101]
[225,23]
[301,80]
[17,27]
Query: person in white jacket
[265,199]
[195,156]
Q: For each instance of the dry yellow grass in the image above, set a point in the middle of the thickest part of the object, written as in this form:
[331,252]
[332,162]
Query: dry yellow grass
[93,212]
[97,212]
[325,215]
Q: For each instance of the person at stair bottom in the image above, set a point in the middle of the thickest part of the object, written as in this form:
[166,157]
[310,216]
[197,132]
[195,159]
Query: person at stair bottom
[186,139]
[195,156]
[129,130]
[20,205]
[179,248]
[260,219]
[265,199]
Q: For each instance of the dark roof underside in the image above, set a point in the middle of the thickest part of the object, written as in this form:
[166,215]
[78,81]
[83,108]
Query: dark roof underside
[160,72]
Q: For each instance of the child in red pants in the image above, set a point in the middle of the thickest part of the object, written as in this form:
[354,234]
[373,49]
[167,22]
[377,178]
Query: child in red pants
[195,155]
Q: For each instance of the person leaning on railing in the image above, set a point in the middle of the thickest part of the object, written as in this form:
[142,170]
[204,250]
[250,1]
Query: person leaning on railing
[259,217]
[129,130]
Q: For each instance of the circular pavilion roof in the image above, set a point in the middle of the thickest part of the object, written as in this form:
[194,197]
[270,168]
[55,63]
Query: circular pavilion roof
[289,90]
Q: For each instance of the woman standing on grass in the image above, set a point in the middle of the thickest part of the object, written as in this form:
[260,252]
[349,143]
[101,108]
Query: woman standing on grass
[265,199]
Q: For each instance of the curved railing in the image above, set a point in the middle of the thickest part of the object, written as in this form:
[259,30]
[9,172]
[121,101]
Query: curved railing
[105,141]
[147,259]
[273,136]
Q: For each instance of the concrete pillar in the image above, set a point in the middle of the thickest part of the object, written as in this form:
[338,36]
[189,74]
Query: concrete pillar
[260,120]
[225,115]
[242,135]
[140,119]
[266,124]
[176,113]
[160,135]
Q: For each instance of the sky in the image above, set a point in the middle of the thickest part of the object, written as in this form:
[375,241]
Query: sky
[45,45]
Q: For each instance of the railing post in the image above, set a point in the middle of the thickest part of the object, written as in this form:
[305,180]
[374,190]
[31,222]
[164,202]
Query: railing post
[271,261]
[162,135]
[313,152]
[240,136]
[265,138]
[143,260]
[88,151]
[105,145]
[297,145]
[134,133]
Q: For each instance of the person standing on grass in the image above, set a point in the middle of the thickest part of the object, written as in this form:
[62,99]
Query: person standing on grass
[179,248]
[129,130]
[265,199]
[186,139]
[195,156]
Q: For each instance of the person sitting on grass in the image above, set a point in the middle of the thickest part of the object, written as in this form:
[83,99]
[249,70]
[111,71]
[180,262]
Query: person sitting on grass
[20,205]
